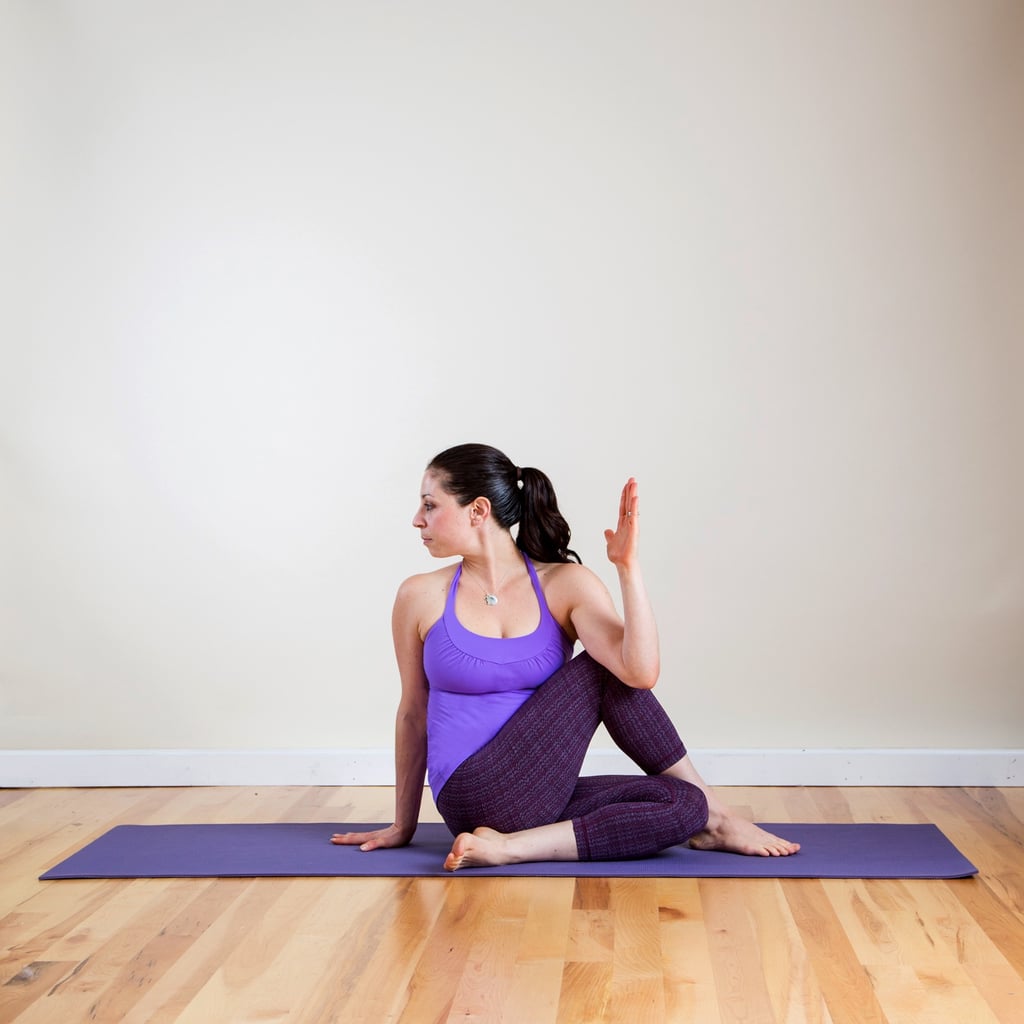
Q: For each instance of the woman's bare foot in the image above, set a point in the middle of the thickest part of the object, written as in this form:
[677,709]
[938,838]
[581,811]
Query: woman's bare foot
[486,847]
[481,848]
[726,832]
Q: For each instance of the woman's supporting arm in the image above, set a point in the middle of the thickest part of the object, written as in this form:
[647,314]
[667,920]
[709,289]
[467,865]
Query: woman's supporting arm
[410,730]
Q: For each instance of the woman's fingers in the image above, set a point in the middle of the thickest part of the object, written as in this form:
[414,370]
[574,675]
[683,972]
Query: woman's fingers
[622,540]
[349,838]
[379,839]
[365,840]
[630,504]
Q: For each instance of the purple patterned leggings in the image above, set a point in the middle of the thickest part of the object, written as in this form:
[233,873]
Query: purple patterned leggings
[529,774]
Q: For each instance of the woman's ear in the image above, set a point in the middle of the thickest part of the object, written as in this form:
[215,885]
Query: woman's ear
[479,511]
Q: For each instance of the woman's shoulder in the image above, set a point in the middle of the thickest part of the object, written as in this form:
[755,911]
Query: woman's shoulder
[426,584]
[419,602]
[566,580]
[564,572]
[426,587]
[568,586]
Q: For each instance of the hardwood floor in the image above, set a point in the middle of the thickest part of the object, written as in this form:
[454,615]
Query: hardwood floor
[525,951]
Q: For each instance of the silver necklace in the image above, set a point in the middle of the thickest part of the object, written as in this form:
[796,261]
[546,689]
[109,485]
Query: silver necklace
[490,598]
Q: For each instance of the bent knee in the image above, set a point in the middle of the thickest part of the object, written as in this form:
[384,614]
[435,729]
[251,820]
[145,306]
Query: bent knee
[691,801]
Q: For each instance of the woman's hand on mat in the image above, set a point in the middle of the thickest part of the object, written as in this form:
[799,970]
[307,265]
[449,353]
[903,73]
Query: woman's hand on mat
[380,839]
[624,539]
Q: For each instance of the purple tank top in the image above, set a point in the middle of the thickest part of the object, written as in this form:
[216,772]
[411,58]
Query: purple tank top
[478,682]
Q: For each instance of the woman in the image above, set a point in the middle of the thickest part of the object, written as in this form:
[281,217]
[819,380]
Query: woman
[496,714]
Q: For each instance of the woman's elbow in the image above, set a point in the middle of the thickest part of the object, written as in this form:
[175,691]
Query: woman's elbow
[643,679]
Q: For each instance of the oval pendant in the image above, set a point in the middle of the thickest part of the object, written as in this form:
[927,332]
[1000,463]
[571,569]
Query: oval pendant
[491,598]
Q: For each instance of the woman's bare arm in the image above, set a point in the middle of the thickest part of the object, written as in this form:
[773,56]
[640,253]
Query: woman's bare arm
[410,728]
[627,646]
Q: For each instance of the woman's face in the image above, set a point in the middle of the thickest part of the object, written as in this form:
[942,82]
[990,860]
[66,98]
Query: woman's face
[443,523]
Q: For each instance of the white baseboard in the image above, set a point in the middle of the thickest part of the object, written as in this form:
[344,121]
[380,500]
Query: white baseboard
[375,767]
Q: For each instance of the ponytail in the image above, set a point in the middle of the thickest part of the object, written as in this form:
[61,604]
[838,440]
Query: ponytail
[543,532]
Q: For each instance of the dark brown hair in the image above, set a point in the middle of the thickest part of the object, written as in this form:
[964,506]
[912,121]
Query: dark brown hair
[517,495]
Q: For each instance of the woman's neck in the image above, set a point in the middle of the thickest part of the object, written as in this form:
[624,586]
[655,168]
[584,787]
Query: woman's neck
[495,565]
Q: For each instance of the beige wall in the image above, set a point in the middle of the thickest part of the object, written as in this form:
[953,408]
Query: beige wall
[261,261]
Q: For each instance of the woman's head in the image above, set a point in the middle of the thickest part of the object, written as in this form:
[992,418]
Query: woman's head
[516,495]
[471,471]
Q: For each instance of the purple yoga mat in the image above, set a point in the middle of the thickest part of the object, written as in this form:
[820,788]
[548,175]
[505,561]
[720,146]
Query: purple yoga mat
[288,850]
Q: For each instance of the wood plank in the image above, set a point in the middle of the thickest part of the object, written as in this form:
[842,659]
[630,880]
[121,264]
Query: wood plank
[255,978]
[999,923]
[1001,987]
[758,803]
[104,943]
[374,985]
[591,937]
[637,986]
[739,976]
[536,987]
[30,935]
[993,848]
[192,910]
[832,804]
[688,976]
[930,996]
[168,997]
[329,929]
[886,923]
[31,984]
[484,985]
[845,985]
[792,986]
[10,796]
[586,992]
[800,804]
[434,982]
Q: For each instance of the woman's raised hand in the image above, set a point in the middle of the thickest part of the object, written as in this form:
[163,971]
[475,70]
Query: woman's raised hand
[623,541]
